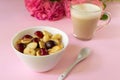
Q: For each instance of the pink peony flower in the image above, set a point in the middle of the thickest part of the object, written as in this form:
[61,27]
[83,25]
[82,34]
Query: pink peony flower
[45,9]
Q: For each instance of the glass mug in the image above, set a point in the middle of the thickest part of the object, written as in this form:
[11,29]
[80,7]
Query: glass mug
[85,18]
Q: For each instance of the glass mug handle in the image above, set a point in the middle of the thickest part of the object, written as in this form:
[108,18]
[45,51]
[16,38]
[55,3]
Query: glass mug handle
[106,22]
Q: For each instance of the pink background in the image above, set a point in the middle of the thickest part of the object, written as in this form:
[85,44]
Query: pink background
[102,64]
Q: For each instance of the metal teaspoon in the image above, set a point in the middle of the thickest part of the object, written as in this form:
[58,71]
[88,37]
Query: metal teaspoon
[84,53]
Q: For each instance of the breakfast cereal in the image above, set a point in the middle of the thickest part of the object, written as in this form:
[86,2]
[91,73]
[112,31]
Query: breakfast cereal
[39,44]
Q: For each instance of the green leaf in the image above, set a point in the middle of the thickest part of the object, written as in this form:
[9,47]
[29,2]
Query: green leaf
[104,17]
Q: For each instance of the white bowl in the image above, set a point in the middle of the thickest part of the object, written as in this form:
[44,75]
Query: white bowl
[40,63]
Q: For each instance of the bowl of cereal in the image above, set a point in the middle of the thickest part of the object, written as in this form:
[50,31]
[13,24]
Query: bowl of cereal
[40,47]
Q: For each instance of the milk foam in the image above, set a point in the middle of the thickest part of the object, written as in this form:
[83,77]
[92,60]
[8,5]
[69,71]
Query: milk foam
[86,11]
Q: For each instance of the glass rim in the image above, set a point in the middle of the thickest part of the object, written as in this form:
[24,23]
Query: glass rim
[71,7]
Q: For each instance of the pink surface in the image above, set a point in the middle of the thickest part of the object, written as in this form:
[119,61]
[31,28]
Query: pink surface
[103,64]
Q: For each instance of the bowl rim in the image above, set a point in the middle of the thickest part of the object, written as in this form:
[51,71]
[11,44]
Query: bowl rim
[56,53]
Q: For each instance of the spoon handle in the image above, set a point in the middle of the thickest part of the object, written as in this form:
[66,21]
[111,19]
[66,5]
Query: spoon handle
[82,55]
[67,71]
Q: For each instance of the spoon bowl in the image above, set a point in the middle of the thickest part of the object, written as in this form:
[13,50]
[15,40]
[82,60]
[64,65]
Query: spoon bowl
[84,53]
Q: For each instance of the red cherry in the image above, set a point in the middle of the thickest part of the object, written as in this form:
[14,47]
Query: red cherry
[39,34]
[43,51]
[49,44]
[20,47]
[36,40]
[27,36]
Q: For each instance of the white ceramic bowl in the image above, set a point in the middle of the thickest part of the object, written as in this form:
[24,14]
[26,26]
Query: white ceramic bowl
[40,63]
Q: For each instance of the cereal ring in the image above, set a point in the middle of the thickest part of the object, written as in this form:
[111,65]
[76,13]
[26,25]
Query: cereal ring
[41,44]
[29,51]
[57,36]
[46,38]
[37,53]
[54,49]
[32,45]
[47,33]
